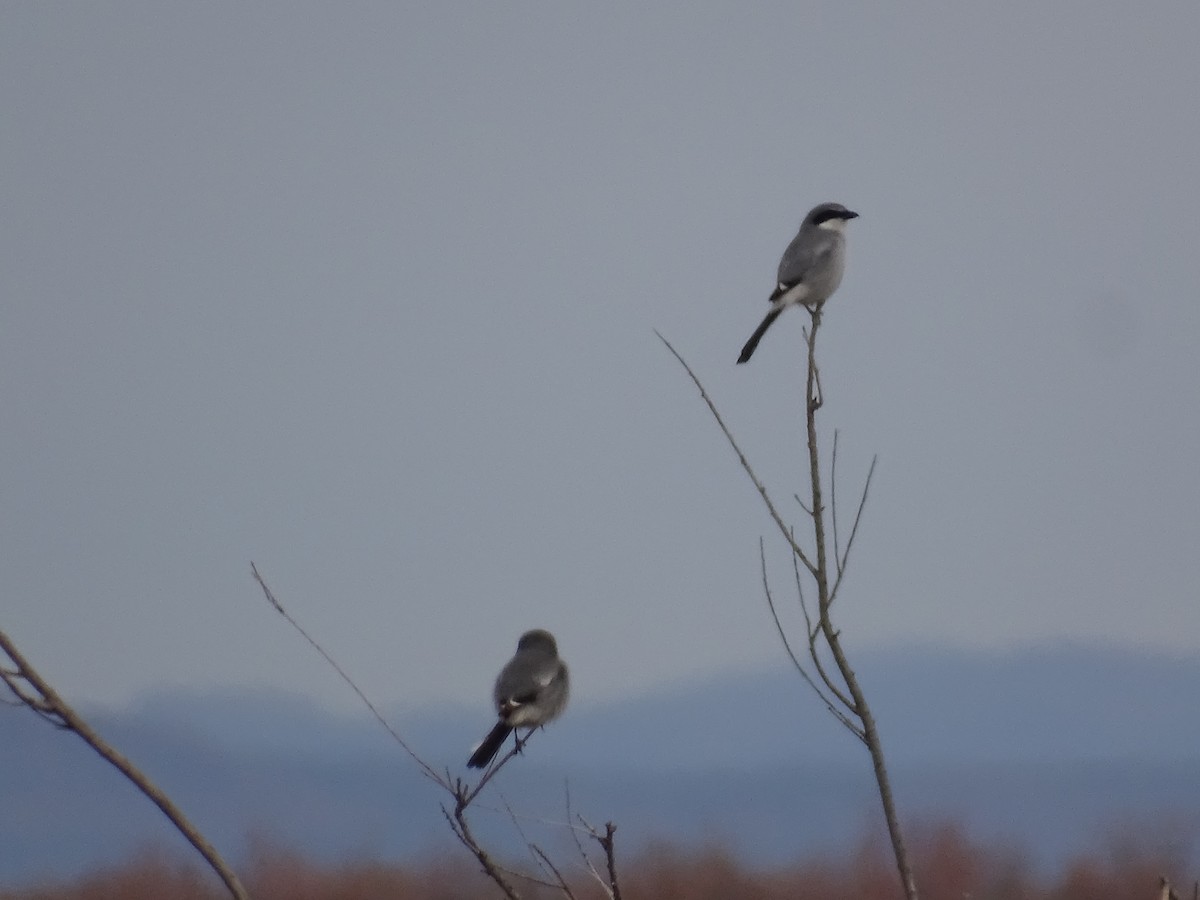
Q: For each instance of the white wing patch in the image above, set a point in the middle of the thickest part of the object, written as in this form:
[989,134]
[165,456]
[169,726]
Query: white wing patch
[787,296]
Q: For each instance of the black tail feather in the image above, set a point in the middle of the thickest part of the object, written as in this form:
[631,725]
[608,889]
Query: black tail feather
[491,745]
[751,344]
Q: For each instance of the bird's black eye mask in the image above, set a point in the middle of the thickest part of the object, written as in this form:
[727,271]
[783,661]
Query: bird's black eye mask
[834,214]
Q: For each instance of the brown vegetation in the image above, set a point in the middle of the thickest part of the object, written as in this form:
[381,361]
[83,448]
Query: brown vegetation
[950,866]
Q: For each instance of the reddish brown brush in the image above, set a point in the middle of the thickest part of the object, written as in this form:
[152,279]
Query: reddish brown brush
[949,866]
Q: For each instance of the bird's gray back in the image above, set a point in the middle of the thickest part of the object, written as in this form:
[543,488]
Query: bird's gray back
[525,674]
[816,256]
[532,689]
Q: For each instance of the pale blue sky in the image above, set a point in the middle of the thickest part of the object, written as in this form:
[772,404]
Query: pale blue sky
[366,293]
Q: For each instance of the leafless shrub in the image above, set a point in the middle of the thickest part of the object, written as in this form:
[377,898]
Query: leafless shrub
[821,659]
[951,866]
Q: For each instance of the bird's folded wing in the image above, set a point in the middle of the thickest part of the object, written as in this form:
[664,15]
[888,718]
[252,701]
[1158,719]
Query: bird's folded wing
[800,258]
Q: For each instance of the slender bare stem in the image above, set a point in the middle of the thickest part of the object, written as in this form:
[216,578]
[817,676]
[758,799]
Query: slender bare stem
[762,490]
[518,746]
[819,628]
[813,632]
[278,607]
[787,645]
[799,590]
[605,885]
[833,636]
[462,831]
[862,502]
[562,882]
[36,693]
[462,793]
[607,842]
[512,816]
[833,504]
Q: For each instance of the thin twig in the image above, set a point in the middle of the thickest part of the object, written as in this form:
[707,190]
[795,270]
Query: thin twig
[524,876]
[493,769]
[762,490]
[562,882]
[610,855]
[833,504]
[808,623]
[833,636]
[821,626]
[829,704]
[15,682]
[528,844]
[462,831]
[583,854]
[814,631]
[862,502]
[53,707]
[537,854]
[456,787]
[424,766]
[607,842]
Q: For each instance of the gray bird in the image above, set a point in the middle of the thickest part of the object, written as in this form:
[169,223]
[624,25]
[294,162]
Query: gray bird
[530,691]
[811,267]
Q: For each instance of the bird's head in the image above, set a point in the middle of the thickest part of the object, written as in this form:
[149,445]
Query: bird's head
[830,216]
[538,637]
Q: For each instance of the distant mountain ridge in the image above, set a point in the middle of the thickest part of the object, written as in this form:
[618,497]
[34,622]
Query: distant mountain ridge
[1057,701]
[1051,746]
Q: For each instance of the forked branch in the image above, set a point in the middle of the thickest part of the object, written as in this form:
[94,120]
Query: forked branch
[847,704]
[762,489]
[835,708]
[462,830]
[278,607]
[462,793]
[34,692]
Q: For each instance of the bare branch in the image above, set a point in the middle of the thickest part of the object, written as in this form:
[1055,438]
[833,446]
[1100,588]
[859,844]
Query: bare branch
[762,490]
[424,766]
[525,839]
[829,704]
[787,645]
[562,882]
[515,818]
[526,877]
[607,842]
[462,831]
[833,504]
[491,771]
[816,397]
[539,858]
[809,628]
[862,502]
[22,696]
[583,854]
[814,632]
[833,636]
[47,703]
[463,794]
[819,629]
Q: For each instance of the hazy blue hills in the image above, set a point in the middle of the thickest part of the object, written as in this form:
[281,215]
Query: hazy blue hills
[1050,749]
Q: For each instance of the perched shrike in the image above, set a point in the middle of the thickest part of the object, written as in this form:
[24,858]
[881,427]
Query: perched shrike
[530,690]
[811,267]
